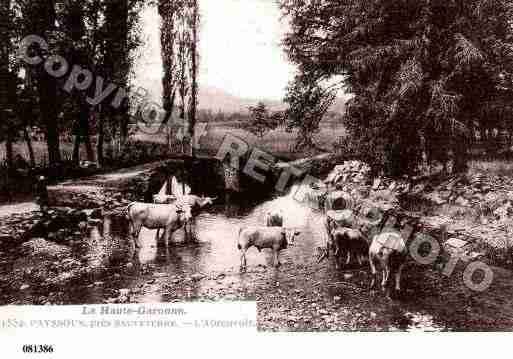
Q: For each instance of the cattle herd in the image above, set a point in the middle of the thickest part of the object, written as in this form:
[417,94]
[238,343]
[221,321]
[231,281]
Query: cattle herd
[349,234]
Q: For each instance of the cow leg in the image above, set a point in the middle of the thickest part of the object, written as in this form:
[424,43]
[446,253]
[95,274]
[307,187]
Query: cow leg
[187,227]
[167,235]
[398,278]
[338,258]
[276,260]
[386,275]
[373,271]
[348,259]
[192,229]
[243,259]
[359,257]
[136,230]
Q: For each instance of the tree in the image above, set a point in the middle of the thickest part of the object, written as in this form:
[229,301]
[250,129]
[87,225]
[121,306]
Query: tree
[39,17]
[308,102]
[194,68]
[420,69]
[6,110]
[180,55]
[119,37]
[261,121]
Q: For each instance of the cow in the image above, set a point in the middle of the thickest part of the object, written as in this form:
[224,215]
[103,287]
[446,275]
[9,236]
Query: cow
[389,252]
[347,242]
[337,219]
[274,238]
[170,217]
[274,219]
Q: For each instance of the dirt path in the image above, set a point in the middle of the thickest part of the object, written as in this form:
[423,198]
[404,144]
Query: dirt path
[18,208]
[105,180]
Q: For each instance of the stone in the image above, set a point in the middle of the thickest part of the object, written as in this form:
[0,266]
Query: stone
[376,183]
[461,201]
[456,243]
[197,277]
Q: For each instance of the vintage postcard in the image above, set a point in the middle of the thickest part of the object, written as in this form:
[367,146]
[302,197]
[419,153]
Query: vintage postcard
[252,167]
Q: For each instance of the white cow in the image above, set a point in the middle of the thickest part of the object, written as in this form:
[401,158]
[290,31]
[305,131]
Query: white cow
[170,217]
[275,238]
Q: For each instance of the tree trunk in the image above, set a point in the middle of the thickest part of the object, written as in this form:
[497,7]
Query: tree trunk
[28,141]
[76,150]
[101,139]
[194,76]
[9,152]
[117,58]
[48,90]
[460,155]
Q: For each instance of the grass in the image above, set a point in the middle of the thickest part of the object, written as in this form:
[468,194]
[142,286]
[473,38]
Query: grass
[277,142]
[492,167]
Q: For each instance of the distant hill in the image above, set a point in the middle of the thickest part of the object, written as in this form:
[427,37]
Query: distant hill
[220,100]
[216,99]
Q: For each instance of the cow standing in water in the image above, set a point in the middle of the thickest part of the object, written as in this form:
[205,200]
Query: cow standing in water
[274,238]
[170,217]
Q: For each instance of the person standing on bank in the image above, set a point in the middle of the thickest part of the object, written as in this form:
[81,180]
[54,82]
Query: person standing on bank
[41,193]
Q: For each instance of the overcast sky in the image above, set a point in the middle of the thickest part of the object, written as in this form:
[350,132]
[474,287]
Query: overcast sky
[239,45]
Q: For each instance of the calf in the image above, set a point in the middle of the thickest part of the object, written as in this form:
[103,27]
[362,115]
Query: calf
[334,220]
[156,216]
[347,242]
[274,238]
[274,219]
[389,252]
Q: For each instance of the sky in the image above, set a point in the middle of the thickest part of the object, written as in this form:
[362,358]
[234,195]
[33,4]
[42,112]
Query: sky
[240,49]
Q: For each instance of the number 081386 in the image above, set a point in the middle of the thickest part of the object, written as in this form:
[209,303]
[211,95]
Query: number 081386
[37,349]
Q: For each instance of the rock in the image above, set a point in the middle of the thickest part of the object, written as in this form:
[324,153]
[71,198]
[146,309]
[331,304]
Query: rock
[24,287]
[160,275]
[435,198]
[456,243]
[460,201]
[197,277]
[376,183]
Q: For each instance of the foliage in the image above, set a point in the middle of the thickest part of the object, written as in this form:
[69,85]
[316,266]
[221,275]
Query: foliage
[308,102]
[261,121]
[420,71]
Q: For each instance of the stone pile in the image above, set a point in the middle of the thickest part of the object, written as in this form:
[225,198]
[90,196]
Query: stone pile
[349,172]
[492,197]
[85,197]
[475,208]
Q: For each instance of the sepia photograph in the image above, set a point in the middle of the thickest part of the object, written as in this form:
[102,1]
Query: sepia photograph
[340,165]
